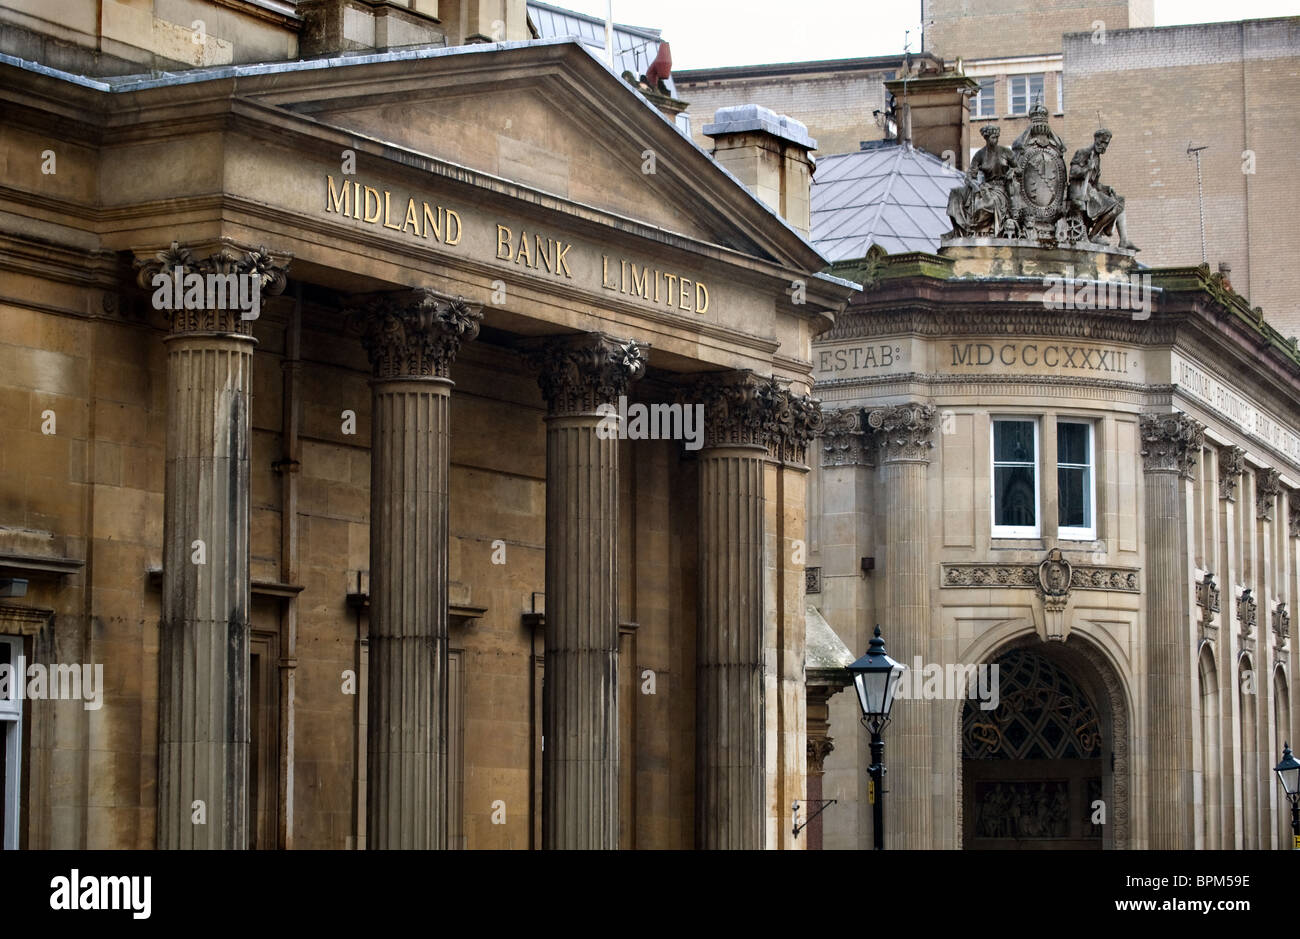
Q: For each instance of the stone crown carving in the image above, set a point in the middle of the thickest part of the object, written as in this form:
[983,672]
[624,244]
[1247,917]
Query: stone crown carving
[1281,624]
[1232,463]
[271,271]
[1268,486]
[1171,443]
[578,374]
[413,333]
[905,432]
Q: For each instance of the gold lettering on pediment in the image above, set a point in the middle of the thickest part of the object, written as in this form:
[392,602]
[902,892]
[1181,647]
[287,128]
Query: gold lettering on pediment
[374,206]
[649,283]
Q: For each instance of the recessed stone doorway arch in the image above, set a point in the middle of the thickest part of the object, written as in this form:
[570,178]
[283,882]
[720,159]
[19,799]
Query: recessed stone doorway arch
[1034,771]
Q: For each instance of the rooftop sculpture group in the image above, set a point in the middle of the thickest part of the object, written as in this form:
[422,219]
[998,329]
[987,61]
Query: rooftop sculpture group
[1025,193]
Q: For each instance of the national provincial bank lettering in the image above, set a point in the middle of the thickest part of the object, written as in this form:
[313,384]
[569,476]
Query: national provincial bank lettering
[1039,355]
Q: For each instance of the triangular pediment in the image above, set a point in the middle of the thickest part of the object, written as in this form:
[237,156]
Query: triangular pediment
[547,117]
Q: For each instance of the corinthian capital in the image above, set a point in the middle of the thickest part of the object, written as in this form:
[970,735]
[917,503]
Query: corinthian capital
[579,373]
[905,432]
[791,421]
[1232,462]
[845,439]
[1268,486]
[1170,443]
[214,293]
[413,333]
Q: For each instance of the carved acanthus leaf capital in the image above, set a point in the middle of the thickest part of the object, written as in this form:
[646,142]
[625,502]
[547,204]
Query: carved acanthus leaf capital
[791,421]
[845,439]
[1268,485]
[1171,443]
[818,749]
[413,333]
[904,432]
[1232,463]
[216,293]
[579,373]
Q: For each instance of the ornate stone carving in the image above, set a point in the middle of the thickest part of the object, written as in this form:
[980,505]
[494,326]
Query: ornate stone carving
[1281,625]
[812,580]
[904,432]
[1293,520]
[412,333]
[1027,193]
[1247,612]
[741,409]
[225,315]
[1055,574]
[1171,443]
[845,440]
[818,749]
[1232,463]
[733,409]
[988,202]
[1082,577]
[579,373]
[1267,488]
[1208,595]
[792,420]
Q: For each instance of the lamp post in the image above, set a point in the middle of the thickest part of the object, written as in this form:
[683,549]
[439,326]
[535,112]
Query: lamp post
[1288,773]
[875,676]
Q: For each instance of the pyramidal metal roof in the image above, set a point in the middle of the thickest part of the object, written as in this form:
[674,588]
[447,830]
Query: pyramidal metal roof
[890,194]
[635,47]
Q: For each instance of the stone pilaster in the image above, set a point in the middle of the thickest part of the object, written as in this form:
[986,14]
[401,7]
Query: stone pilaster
[203,730]
[1171,444]
[904,435]
[411,337]
[580,761]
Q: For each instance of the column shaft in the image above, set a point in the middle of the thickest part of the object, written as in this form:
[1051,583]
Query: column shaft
[407,754]
[203,642]
[1171,443]
[910,739]
[730,728]
[580,761]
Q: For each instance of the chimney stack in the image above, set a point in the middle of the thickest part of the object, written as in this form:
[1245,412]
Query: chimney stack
[770,154]
[933,114]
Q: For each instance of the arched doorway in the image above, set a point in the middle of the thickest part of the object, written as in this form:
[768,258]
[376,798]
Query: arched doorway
[1038,771]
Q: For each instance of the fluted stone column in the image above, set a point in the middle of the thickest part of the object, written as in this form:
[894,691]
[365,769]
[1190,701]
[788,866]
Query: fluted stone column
[1170,446]
[580,759]
[203,731]
[730,713]
[904,435]
[412,337]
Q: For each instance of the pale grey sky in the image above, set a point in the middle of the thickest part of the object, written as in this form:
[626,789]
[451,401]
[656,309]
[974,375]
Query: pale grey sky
[748,32]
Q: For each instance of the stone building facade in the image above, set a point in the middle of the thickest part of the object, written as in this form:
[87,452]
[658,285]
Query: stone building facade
[367,563]
[1104,501]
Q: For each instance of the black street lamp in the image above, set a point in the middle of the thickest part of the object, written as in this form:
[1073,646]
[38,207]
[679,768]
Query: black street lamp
[1288,773]
[875,676]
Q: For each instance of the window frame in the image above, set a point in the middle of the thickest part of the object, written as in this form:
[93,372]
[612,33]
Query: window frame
[982,108]
[1074,533]
[1015,531]
[11,724]
[1029,94]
